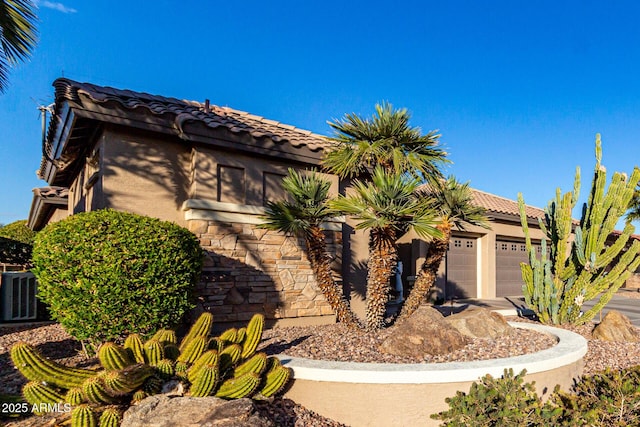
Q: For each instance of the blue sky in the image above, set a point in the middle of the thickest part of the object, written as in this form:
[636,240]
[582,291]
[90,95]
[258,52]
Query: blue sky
[517,89]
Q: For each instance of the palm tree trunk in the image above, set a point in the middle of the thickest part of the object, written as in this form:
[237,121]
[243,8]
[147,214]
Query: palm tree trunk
[383,257]
[428,272]
[321,265]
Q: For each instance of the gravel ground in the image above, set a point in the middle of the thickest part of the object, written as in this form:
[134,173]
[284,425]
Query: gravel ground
[330,342]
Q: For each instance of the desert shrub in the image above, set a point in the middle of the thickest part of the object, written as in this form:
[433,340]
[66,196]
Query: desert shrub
[18,231]
[106,274]
[507,401]
[609,398]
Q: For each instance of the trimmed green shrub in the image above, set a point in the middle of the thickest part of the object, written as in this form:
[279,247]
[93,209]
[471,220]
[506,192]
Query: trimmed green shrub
[16,241]
[106,274]
[18,231]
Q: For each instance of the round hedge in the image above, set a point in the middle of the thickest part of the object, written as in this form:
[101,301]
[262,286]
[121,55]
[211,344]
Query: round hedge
[18,231]
[105,274]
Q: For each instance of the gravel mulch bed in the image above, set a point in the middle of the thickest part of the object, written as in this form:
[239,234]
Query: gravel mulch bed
[338,343]
[329,342]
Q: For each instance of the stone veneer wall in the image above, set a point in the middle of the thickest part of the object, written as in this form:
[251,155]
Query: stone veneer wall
[250,270]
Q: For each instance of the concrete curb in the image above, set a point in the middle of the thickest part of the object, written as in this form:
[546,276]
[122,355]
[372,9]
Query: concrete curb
[571,348]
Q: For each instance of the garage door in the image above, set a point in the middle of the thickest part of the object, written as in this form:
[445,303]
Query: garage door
[462,268]
[509,255]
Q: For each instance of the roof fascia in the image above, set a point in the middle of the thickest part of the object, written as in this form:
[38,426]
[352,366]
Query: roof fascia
[67,119]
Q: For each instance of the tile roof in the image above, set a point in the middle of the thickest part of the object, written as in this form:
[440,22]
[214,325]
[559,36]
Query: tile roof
[182,111]
[51,193]
[502,205]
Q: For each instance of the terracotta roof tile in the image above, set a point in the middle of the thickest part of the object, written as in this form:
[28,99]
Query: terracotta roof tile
[192,111]
[51,192]
[502,205]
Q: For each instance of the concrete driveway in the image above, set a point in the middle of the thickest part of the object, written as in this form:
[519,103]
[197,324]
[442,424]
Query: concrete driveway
[630,307]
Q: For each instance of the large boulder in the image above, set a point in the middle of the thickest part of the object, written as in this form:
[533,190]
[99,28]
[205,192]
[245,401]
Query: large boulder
[615,326]
[479,323]
[424,332]
[165,411]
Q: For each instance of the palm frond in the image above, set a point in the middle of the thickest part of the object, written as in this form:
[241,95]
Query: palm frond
[388,202]
[386,139]
[308,205]
[18,35]
[454,202]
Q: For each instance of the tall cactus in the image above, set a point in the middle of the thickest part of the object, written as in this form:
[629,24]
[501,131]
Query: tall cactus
[584,260]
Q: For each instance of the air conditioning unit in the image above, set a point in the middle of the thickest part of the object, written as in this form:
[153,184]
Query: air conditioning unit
[18,291]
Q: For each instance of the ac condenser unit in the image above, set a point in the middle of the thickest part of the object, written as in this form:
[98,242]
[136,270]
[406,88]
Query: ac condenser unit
[19,296]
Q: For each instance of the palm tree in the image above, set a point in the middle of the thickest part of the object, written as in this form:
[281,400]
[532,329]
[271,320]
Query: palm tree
[454,204]
[386,206]
[303,215]
[18,35]
[633,214]
[385,140]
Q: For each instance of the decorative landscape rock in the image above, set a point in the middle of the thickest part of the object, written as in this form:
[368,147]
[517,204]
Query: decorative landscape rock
[479,323]
[165,411]
[615,326]
[425,332]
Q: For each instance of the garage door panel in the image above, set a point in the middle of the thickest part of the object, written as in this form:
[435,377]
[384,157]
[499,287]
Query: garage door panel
[462,267]
[509,255]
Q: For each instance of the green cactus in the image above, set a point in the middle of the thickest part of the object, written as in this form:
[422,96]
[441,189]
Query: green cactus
[165,336]
[194,349]
[153,385]
[181,369]
[229,335]
[125,381]
[166,368]
[216,344]
[114,357]
[253,335]
[209,357]
[205,381]
[83,416]
[135,346]
[237,388]
[74,396]
[154,351]
[138,396]
[171,351]
[201,328]
[36,367]
[241,335]
[110,417]
[229,357]
[223,373]
[256,364]
[275,381]
[588,264]
[37,393]
[95,391]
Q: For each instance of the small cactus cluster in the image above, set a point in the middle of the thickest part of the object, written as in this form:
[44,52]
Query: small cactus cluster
[226,366]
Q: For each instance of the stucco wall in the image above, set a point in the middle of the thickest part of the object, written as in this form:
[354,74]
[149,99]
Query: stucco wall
[144,175]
